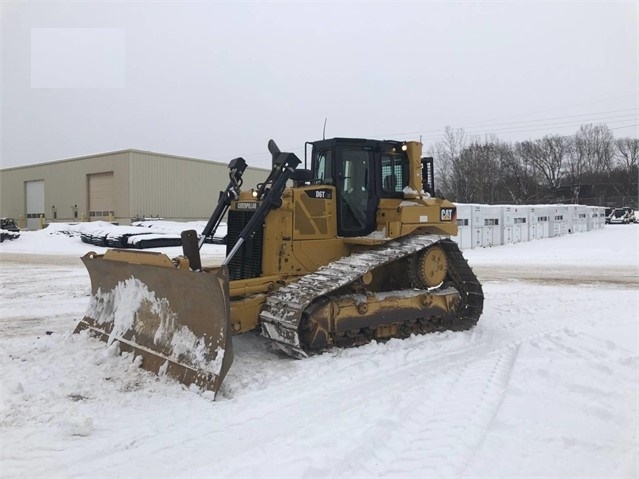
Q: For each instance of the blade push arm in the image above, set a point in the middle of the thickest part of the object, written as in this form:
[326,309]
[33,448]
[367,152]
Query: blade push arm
[283,167]
[190,244]
[236,169]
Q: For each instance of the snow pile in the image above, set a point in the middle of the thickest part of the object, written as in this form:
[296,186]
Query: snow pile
[176,227]
[77,229]
[65,239]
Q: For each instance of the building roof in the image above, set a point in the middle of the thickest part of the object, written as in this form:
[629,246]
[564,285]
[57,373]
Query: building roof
[117,152]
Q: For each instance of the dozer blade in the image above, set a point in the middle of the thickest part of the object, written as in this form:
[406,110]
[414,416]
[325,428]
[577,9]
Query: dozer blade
[176,319]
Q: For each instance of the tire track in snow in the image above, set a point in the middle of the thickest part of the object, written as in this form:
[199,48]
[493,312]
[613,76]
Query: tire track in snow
[421,357]
[375,452]
[445,429]
[469,401]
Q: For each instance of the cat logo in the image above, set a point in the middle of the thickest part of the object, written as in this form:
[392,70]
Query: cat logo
[446,214]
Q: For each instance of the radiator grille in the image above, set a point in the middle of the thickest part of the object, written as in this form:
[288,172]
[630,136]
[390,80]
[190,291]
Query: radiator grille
[247,262]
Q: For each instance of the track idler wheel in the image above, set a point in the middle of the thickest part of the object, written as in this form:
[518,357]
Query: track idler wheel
[313,328]
[429,267]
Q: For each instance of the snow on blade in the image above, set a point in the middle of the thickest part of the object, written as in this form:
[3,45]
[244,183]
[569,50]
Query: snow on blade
[121,307]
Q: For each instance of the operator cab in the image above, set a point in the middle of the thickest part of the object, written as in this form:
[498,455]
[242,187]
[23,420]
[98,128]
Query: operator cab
[362,172]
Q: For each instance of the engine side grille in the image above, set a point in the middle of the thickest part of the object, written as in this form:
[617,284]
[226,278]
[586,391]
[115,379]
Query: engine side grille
[247,262]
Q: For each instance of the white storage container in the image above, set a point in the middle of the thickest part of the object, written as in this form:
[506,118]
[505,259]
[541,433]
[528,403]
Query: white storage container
[570,218]
[558,219]
[602,216]
[593,217]
[520,216]
[515,224]
[464,229]
[507,224]
[486,225]
[580,219]
[539,226]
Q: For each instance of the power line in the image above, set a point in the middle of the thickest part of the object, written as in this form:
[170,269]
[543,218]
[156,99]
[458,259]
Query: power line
[627,126]
[513,123]
[561,117]
[439,133]
[555,125]
[565,107]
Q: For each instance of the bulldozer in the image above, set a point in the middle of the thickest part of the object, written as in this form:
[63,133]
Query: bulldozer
[353,247]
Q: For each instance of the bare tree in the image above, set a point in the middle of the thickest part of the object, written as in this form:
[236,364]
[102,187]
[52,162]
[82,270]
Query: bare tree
[517,181]
[447,152]
[589,165]
[478,174]
[627,150]
[624,177]
[548,156]
[594,146]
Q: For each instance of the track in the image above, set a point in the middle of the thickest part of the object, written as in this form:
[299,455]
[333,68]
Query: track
[286,308]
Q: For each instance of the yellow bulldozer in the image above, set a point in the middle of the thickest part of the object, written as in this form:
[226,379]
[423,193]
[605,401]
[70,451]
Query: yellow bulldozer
[351,248]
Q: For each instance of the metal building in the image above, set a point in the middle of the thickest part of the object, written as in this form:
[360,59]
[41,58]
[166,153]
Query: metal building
[116,186]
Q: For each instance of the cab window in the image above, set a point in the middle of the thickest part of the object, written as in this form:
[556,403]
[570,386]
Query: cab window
[394,175]
[323,168]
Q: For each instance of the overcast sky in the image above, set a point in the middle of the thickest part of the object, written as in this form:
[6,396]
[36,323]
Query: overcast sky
[216,80]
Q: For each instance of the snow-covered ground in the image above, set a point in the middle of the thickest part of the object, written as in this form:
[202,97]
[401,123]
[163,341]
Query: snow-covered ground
[546,385]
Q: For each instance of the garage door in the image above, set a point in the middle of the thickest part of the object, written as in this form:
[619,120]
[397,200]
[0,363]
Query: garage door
[35,203]
[101,196]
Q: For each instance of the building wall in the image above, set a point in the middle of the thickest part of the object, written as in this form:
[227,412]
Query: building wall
[179,189]
[144,183]
[65,185]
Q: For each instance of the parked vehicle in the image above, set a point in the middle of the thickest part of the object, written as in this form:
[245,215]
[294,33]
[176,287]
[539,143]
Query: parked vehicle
[8,229]
[632,214]
[620,216]
[608,214]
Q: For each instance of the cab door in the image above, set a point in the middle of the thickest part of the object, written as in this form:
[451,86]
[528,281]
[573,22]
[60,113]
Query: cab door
[356,192]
